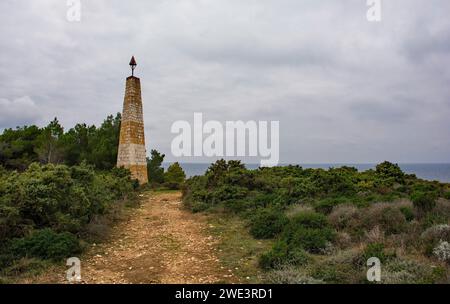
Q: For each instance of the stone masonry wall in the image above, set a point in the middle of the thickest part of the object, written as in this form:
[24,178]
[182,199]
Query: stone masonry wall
[132,154]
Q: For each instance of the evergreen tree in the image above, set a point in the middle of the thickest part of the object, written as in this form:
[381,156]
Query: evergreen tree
[49,148]
[17,147]
[155,171]
[175,176]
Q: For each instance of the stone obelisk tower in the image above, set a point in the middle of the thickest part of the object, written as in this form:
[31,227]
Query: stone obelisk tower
[131,154]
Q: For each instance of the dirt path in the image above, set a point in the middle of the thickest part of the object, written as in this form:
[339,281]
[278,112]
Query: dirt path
[159,243]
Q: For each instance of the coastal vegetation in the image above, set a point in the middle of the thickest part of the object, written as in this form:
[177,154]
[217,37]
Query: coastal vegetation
[60,191]
[323,225]
[51,212]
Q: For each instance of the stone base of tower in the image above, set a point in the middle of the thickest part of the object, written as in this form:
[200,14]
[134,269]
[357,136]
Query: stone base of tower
[138,172]
[132,157]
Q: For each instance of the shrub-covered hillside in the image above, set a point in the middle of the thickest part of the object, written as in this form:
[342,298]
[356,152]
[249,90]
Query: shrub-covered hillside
[48,211]
[325,224]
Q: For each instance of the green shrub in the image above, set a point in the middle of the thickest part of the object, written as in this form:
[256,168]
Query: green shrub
[281,254]
[424,201]
[326,206]
[387,170]
[58,197]
[225,193]
[310,239]
[309,219]
[199,207]
[309,231]
[337,273]
[344,267]
[376,250]
[267,223]
[386,216]
[393,221]
[407,212]
[447,195]
[46,244]
[174,177]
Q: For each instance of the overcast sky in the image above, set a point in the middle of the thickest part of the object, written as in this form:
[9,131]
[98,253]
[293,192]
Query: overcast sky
[344,89]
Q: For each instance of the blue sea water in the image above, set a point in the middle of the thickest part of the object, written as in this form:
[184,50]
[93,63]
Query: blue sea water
[438,172]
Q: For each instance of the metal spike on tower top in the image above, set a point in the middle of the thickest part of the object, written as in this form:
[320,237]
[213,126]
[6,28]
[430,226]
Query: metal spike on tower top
[133,65]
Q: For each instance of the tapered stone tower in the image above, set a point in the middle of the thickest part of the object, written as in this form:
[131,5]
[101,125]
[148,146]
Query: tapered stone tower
[132,153]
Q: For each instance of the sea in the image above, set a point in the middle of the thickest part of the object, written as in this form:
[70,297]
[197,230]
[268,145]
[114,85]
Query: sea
[429,171]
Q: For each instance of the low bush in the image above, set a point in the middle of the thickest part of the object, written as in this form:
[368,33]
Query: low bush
[437,233]
[401,271]
[310,231]
[325,206]
[345,267]
[267,223]
[408,213]
[377,250]
[47,209]
[447,195]
[289,274]
[46,244]
[387,217]
[433,236]
[442,251]
[311,220]
[424,201]
[344,216]
[282,254]
[310,239]
[327,211]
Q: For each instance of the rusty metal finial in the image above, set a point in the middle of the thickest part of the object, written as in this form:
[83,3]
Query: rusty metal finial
[133,65]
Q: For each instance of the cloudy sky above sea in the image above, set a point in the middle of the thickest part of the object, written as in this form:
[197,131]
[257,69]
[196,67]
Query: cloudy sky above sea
[344,89]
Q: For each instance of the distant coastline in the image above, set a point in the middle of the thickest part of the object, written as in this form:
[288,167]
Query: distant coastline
[428,171]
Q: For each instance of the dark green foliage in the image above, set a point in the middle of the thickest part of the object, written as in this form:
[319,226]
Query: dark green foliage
[46,208]
[376,250]
[49,148]
[307,231]
[267,223]
[46,244]
[446,195]
[17,147]
[335,272]
[281,254]
[155,170]
[174,177]
[97,146]
[390,171]
[364,207]
[393,221]
[309,220]
[408,213]
[325,206]
[58,197]
[424,201]
[311,239]
[103,144]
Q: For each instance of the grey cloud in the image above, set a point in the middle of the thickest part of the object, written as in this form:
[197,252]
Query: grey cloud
[343,89]
[18,112]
